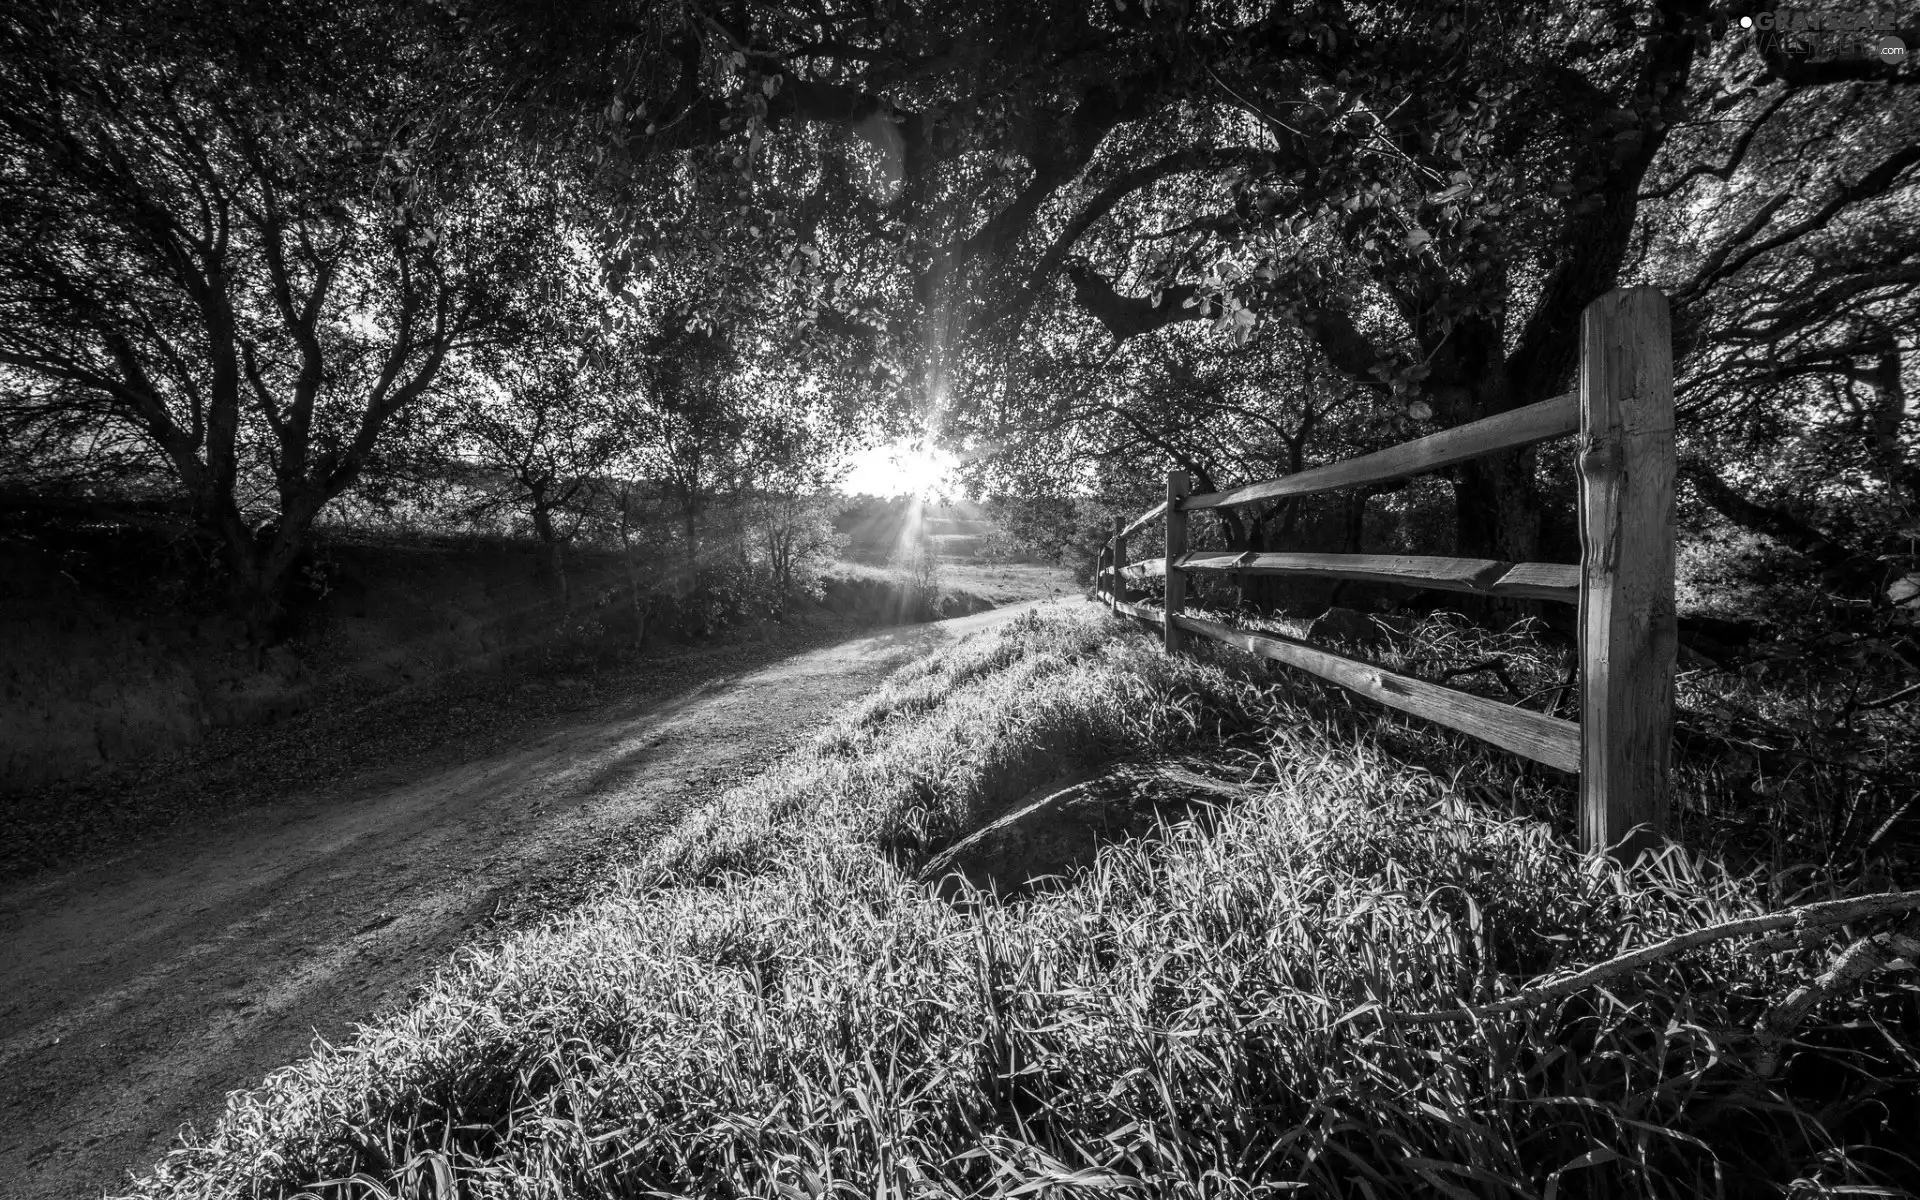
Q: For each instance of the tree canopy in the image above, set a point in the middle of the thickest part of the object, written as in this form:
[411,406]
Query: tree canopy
[1075,240]
[1428,194]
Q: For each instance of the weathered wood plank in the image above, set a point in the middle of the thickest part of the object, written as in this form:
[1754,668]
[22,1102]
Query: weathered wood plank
[1530,734]
[1178,486]
[1490,577]
[1629,633]
[1521,427]
[1145,519]
[1540,581]
[1460,574]
[1537,581]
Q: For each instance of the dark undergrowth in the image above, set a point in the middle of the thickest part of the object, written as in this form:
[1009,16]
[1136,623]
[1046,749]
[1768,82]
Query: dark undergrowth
[769,1004]
[355,736]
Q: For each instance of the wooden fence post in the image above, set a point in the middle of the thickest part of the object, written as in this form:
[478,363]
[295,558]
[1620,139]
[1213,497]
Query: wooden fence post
[1177,489]
[1119,561]
[1628,628]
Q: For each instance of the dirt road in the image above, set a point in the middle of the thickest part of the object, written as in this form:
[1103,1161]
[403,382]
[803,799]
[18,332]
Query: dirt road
[136,993]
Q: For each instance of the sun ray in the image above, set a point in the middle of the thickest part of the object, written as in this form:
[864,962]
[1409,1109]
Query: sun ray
[904,467]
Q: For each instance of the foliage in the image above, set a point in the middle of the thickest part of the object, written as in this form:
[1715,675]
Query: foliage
[550,416]
[1025,215]
[243,269]
[1073,239]
[795,540]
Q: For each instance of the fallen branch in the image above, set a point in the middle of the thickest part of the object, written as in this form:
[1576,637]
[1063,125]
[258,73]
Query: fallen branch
[1496,665]
[1906,693]
[1855,963]
[1808,916]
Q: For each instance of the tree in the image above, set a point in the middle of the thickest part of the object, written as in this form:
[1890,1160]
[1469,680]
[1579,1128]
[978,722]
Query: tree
[1431,193]
[233,236]
[693,370]
[1797,308]
[551,414]
[789,508]
[1129,410]
[796,537]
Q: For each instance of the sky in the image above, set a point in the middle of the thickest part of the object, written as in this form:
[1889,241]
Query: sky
[898,468]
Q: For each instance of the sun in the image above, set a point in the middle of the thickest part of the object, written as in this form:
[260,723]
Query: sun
[903,467]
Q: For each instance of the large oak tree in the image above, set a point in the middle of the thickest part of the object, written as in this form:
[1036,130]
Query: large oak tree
[1430,193]
[232,234]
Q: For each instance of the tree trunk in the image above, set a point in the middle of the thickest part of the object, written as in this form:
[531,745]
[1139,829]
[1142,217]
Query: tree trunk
[1353,529]
[690,525]
[262,563]
[1265,593]
[1498,507]
[261,603]
[780,552]
[555,566]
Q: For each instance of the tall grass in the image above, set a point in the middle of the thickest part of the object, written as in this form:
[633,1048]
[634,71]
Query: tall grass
[772,1006]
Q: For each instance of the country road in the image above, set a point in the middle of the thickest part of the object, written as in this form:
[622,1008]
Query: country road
[136,993]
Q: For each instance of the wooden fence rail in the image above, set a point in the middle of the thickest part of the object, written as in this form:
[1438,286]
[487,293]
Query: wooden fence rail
[1623,584]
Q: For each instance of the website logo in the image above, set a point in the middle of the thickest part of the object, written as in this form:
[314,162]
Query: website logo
[1799,31]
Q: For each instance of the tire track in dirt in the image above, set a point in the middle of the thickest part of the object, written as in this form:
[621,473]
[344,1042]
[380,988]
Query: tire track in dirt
[136,993]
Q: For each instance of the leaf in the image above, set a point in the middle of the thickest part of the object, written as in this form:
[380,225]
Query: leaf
[1905,590]
[1420,410]
[1591,1158]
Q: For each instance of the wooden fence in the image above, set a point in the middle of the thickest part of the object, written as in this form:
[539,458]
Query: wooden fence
[1623,584]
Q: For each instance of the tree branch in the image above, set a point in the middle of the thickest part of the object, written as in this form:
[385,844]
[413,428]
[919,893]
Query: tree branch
[1820,915]
[1723,263]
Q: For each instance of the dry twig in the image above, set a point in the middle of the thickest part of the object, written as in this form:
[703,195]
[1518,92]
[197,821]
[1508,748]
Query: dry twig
[1809,916]
[1855,963]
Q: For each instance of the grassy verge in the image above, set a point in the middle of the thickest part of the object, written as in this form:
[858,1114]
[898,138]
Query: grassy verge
[770,1004]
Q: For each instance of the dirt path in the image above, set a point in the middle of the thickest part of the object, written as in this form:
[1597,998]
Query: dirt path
[136,993]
